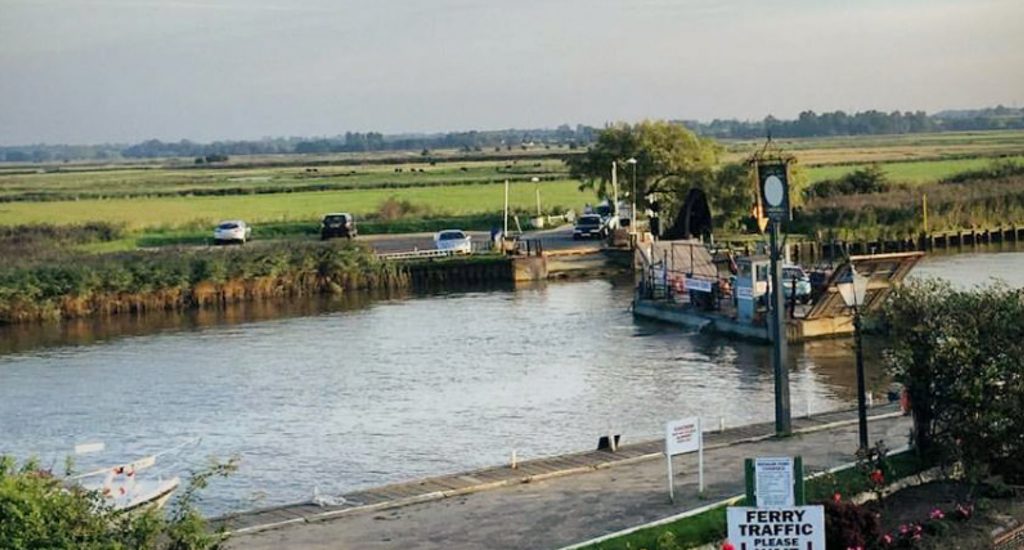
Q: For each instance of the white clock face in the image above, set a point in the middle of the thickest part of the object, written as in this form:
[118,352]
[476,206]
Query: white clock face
[774,192]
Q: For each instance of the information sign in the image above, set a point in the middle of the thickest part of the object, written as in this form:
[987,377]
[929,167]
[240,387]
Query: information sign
[773,481]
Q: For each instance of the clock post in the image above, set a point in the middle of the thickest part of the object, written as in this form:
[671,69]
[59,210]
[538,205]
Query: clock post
[773,187]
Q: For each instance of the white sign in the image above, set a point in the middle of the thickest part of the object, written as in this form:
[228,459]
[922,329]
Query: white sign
[793,528]
[744,293]
[698,285]
[773,482]
[684,436]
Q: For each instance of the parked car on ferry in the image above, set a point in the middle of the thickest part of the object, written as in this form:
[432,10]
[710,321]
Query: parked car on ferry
[340,224]
[232,231]
[589,226]
[454,240]
[795,280]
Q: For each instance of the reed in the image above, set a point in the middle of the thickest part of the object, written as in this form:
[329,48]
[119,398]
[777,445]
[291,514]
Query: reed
[77,285]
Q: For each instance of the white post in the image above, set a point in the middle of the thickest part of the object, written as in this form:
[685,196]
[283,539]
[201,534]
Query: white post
[721,424]
[700,457]
[615,190]
[504,233]
[536,182]
[515,462]
[671,485]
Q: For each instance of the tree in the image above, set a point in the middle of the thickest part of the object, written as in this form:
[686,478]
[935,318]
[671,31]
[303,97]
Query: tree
[662,150]
[960,355]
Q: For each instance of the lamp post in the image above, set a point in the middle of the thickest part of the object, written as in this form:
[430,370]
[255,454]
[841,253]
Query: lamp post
[854,289]
[632,211]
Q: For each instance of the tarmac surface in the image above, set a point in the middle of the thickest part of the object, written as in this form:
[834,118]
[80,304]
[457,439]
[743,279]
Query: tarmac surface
[565,500]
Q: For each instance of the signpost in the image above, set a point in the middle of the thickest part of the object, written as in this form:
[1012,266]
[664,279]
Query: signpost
[773,203]
[684,436]
[790,528]
[776,517]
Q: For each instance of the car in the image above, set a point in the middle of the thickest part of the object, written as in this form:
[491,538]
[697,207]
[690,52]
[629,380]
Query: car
[796,282]
[340,224]
[454,240]
[232,231]
[589,226]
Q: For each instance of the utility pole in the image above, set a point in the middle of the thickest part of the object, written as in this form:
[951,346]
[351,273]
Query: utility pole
[615,189]
[504,232]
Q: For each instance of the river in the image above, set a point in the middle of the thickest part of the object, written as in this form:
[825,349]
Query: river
[346,394]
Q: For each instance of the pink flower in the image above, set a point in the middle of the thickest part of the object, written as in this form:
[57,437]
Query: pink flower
[728,546]
[904,529]
[937,514]
[887,539]
[837,497]
[877,477]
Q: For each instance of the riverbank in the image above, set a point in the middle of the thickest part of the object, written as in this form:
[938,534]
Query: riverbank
[74,285]
[552,502]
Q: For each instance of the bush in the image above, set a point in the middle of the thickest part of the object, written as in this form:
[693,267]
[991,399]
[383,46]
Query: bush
[959,353]
[38,510]
[848,525]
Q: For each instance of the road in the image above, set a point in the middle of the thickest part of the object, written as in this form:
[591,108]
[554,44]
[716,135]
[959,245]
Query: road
[559,238]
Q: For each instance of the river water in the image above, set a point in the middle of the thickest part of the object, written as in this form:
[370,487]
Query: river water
[359,392]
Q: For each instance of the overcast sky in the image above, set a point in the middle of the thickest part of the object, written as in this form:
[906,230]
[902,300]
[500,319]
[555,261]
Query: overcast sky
[88,71]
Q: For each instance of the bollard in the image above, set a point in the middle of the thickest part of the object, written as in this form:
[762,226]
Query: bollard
[721,424]
[515,462]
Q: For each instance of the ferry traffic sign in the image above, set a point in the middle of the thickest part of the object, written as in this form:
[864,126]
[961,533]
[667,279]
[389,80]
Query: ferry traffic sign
[773,188]
[798,527]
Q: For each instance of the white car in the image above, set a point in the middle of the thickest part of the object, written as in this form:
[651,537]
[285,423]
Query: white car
[455,240]
[232,231]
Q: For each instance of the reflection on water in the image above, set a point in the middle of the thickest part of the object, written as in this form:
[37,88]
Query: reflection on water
[351,392]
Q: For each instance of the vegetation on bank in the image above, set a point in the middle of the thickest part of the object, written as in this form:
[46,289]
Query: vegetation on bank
[899,212]
[39,510]
[77,285]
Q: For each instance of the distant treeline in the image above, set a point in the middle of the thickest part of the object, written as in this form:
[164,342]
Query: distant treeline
[350,142]
[807,124]
[839,123]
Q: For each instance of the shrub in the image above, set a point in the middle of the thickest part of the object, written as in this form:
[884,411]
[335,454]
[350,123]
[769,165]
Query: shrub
[38,510]
[848,525]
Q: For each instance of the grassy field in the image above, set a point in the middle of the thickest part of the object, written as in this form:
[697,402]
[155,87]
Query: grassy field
[143,213]
[77,183]
[916,172]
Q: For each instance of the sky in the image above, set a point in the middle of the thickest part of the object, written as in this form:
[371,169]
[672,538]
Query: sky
[93,71]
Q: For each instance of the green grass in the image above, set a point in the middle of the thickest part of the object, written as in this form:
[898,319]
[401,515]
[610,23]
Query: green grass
[170,212]
[917,172]
[80,183]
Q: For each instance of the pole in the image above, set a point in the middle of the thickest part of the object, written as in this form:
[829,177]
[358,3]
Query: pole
[700,456]
[615,189]
[632,222]
[783,424]
[924,209]
[862,409]
[504,232]
[671,485]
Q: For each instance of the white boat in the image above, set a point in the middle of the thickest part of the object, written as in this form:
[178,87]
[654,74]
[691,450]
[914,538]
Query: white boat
[124,490]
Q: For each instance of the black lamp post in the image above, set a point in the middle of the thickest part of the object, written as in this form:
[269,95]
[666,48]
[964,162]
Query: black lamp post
[854,289]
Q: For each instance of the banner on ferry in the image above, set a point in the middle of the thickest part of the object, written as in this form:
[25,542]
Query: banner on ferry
[698,285]
[795,528]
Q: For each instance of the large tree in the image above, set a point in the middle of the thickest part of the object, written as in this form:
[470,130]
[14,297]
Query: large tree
[670,161]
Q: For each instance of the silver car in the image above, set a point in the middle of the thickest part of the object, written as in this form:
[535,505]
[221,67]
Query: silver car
[232,231]
[454,240]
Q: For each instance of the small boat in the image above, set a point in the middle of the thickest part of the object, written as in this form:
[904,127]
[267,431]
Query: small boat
[123,489]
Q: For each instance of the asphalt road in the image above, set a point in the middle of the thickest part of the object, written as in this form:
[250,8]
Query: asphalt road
[559,238]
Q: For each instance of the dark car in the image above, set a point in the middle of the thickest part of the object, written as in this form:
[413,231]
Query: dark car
[338,225]
[589,226]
